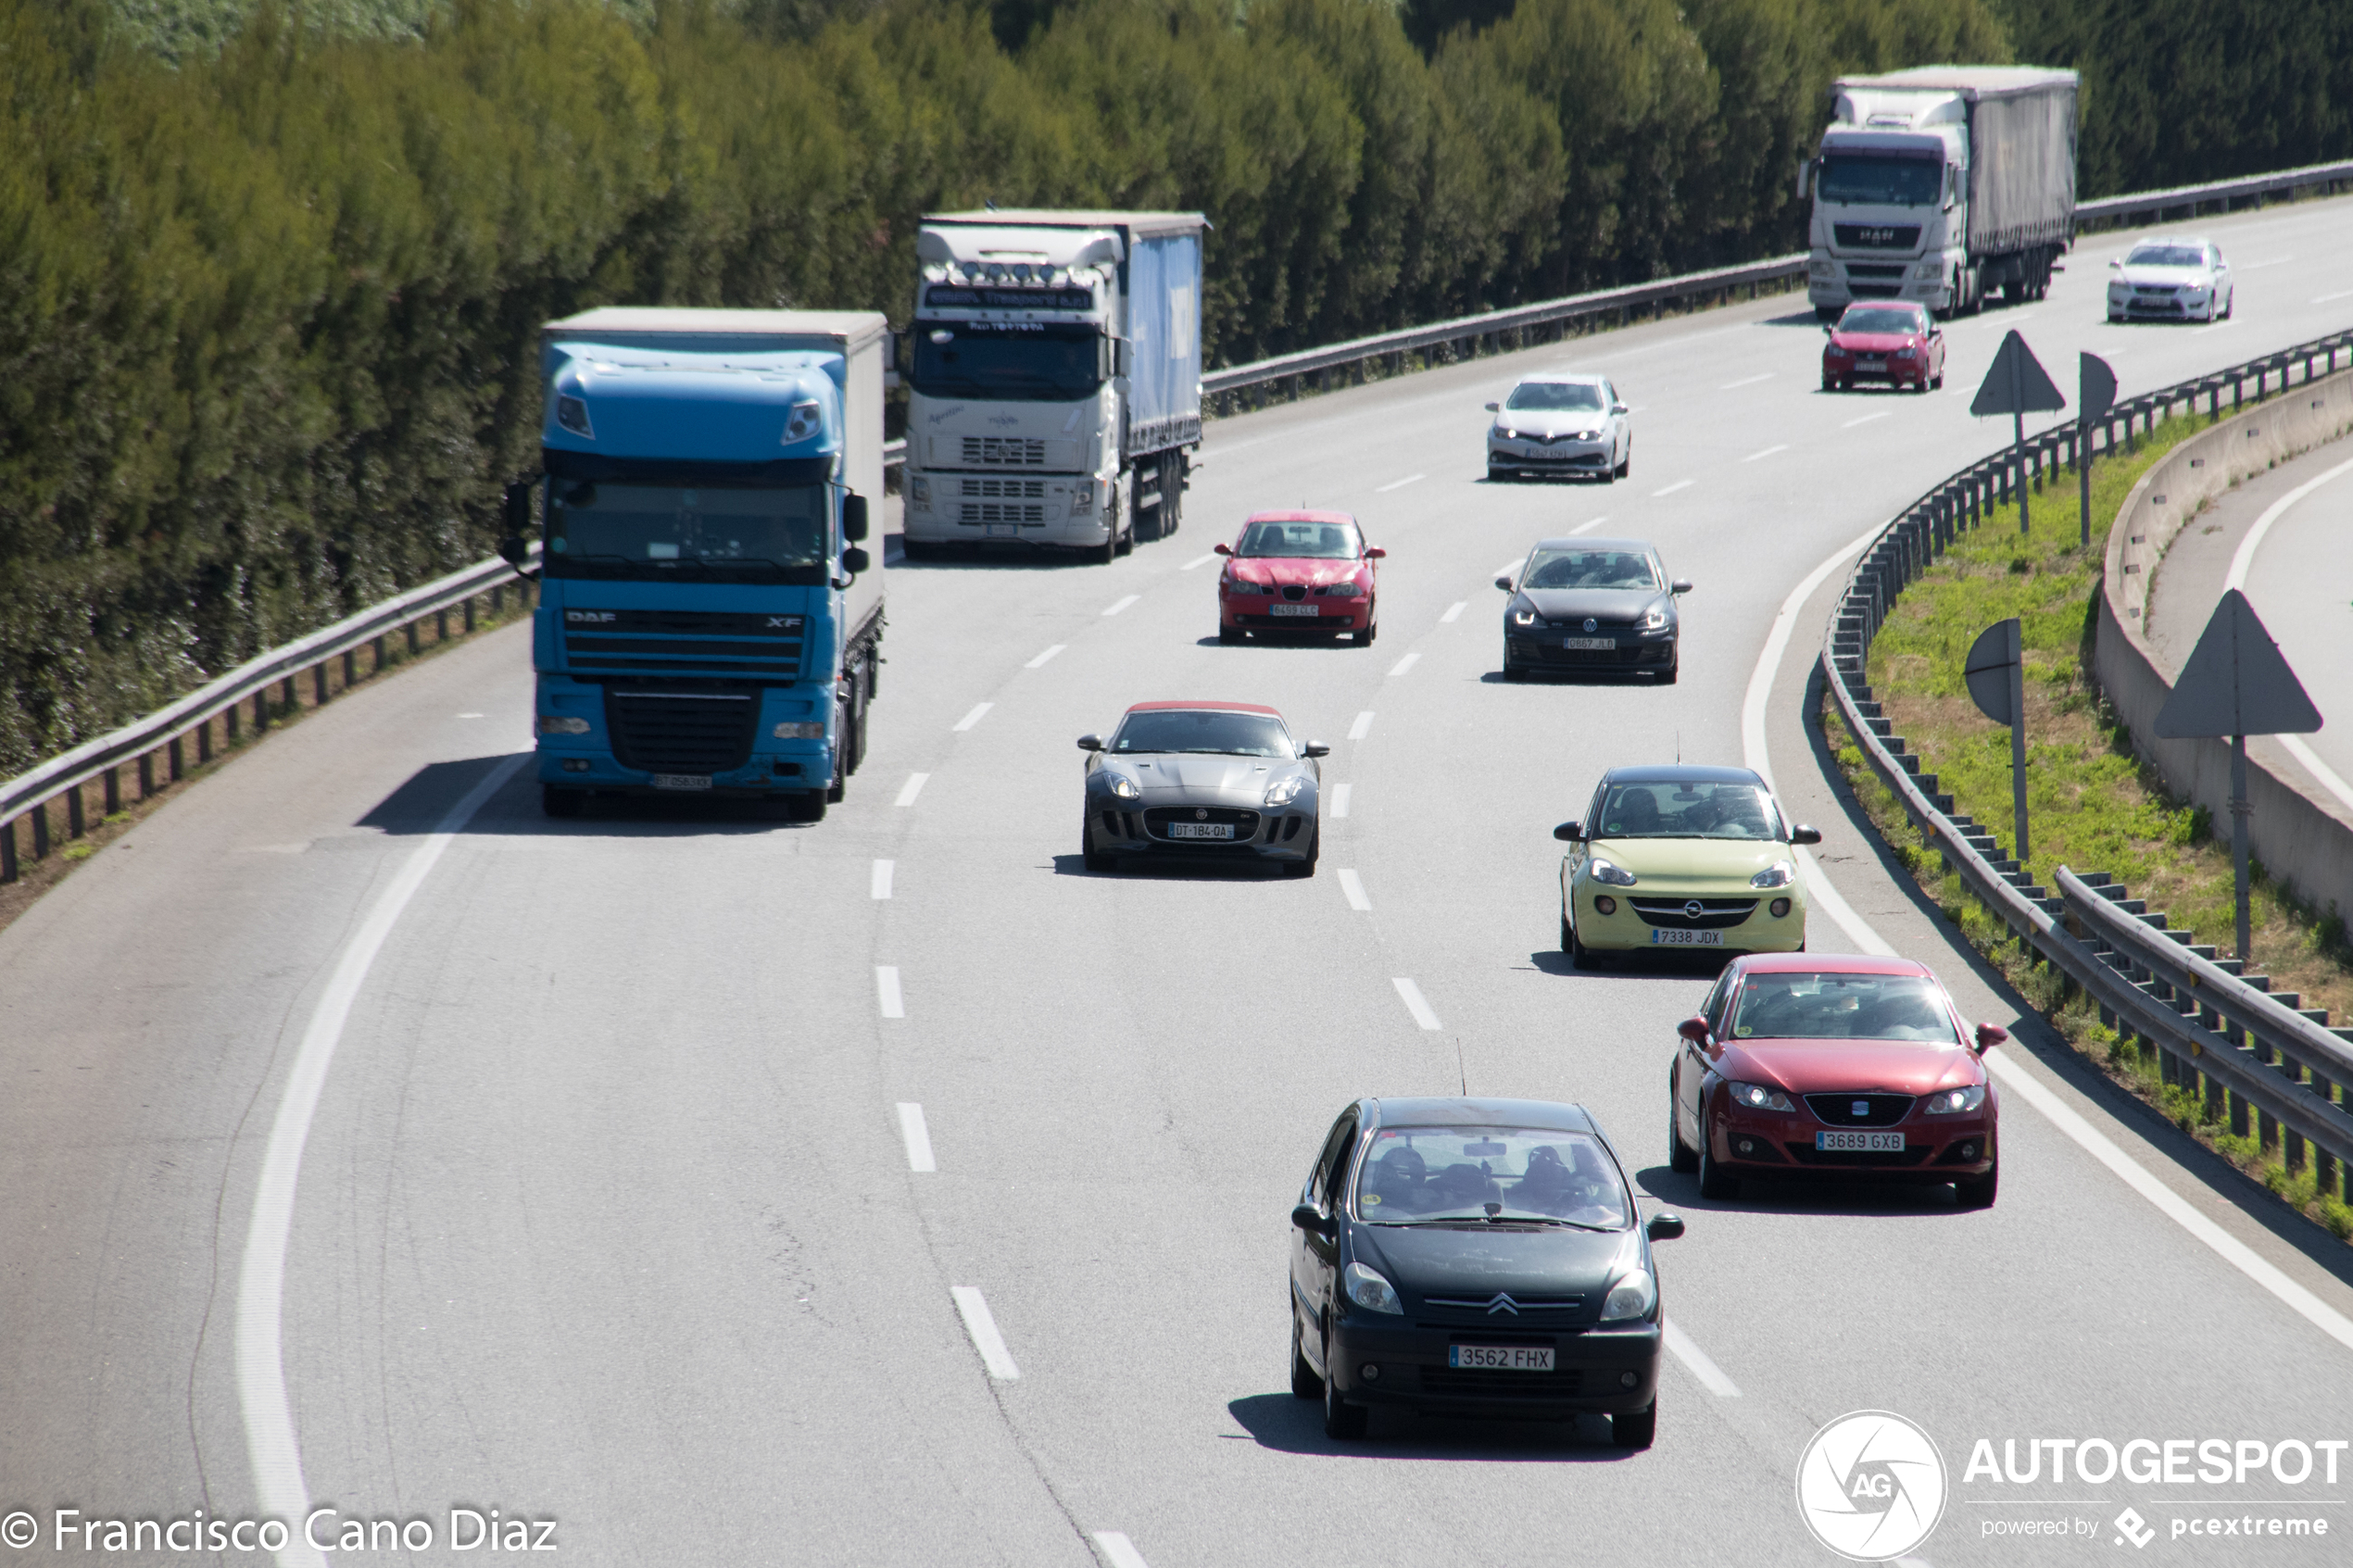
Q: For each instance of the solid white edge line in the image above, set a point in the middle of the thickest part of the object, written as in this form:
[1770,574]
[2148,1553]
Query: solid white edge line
[1123,604]
[1416,1004]
[280,1490]
[1400,484]
[1678,485]
[1340,793]
[880,886]
[1404,664]
[912,788]
[1453,612]
[2329,778]
[1199,560]
[1039,662]
[1352,887]
[1697,1362]
[894,1005]
[1118,1550]
[980,710]
[917,1136]
[2243,563]
[983,1329]
[2323,1316]
[1363,727]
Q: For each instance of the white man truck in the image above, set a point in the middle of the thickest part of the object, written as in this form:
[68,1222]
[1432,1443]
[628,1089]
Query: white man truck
[1054,382]
[1939,185]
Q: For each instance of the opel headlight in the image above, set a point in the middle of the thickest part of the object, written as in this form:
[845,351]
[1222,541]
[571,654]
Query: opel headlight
[1125,787]
[1609,872]
[1633,1296]
[1282,792]
[1370,1291]
[1953,1102]
[560,724]
[1759,1097]
[1781,873]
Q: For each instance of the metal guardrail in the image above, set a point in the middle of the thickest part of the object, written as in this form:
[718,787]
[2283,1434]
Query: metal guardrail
[1906,548]
[164,731]
[2143,204]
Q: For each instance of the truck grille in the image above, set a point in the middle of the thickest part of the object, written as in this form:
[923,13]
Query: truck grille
[1713,915]
[1002,489]
[1876,236]
[684,642]
[1873,269]
[681,731]
[973,513]
[1884,1111]
[1007,450]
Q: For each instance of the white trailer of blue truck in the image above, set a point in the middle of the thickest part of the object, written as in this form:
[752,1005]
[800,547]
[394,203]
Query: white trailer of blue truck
[1941,186]
[1054,378]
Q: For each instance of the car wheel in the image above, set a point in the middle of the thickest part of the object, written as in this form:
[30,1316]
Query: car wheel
[2230,304]
[1626,464]
[1713,1181]
[1087,854]
[1978,1192]
[1666,677]
[1581,956]
[1229,635]
[557,801]
[1569,936]
[1343,1422]
[1514,671]
[1495,475]
[1315,853]
[1681,1158]
[1365,638]
[1635,1431]
[1829,385]
[1608,476]
[1304,1383]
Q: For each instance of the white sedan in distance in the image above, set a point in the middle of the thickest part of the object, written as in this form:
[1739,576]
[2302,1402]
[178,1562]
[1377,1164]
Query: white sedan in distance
[1564,424]
[2182,279]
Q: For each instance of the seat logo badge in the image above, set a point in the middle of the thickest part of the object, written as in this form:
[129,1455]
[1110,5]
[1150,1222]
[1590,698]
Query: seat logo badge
[1693,909]
[1503,1303]
[1861,1108]
[1592,624]
[1201,813]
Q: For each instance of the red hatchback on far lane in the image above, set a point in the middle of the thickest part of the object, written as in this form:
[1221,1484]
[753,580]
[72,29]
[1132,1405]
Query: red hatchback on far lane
[1299,571]
[1900,345]
[1825,1064]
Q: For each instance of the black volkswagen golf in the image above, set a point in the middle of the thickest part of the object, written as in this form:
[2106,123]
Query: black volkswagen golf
[1474,1258]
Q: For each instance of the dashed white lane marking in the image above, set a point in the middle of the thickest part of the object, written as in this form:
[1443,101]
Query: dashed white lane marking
[1678,485]
[271,1445]
[1587,527]
[2231,1250]
[1199,560]
[1041,660]
[917,1136]
[1745,381]
[1404,664]
[469,715]
[1453,612]
[1339,799]
[1769,451]
[886,991]
[980,710]
[1695,1361]
[1354,886]
[2333,298]
[1123,604]
[1866,418]
[1118,1550]
[2259,266]
[912,788]
[1363,727]
[1401,484]
[881,888]
[983,1328]
[1411,995]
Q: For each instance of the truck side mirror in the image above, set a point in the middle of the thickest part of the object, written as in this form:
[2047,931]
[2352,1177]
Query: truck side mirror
[512,550]
[855,560]
[516,507]
[1119,357]
[1804,171]
[854,519]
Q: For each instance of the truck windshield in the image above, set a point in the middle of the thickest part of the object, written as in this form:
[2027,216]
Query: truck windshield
[659,532]
[1008,361]
[1853,179]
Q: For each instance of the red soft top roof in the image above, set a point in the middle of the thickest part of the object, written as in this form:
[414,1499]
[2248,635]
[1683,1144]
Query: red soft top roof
[1300,517]
[1226,706]
[1832,963]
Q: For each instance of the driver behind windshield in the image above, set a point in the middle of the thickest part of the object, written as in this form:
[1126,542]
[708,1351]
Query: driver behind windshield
[1669,809]
[1207,731]
[1300,540]
[1488,1175]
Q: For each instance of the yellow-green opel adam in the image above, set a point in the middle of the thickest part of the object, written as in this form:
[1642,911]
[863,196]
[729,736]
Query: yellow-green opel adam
[1683,859]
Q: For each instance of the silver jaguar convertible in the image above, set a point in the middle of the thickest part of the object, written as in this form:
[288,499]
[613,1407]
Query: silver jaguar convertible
[1220,780]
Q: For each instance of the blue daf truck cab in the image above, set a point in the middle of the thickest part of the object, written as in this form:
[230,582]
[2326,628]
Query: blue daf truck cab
[708,620]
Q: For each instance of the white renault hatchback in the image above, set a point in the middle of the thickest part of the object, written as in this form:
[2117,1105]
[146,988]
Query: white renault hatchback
[1561,424]
[2182,278]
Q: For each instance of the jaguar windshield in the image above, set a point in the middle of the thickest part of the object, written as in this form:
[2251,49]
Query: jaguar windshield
[1671,808]
[1417,1175]
[1842,1007]
[1011,361]
[597,529]
[1207,731]
[1849,179]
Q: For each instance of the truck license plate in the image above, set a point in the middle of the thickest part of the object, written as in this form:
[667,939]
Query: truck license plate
[682,781]
[1003,530]
[1295,609]
[1861,1143]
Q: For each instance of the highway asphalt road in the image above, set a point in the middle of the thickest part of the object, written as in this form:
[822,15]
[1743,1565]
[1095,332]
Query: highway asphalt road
[607,1214]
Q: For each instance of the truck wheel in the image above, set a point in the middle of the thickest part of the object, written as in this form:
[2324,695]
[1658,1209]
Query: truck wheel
[806,806]
[557,801]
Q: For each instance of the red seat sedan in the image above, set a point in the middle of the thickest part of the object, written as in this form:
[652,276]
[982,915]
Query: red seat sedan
[1900,345]
[1299,571]
[1825,1065]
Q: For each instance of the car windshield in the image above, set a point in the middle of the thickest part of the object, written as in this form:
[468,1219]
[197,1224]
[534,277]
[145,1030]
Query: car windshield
[2166,255]
[1879,319]
[1771,1005]
[1313,540]
[1414,1174]
[1016,361]
[1565,397]
[1862,181]
[1590,568]
[1211,731]
[655,531]
[1672,808]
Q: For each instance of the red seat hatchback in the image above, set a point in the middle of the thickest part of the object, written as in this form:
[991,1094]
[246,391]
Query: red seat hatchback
[1299,571]
[1900,345]
[1827,1064]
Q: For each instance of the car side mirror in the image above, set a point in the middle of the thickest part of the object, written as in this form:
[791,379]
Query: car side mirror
[855,560]
[1619,408]
[1664,1226]
[1504,583]
[1801,834]
[1569,833]
[2116,265]
[1681,586]
[854,519]
[1694,1030]
[1494,407]
[1311,1220]
[1314,749]
[1989,1036]
[1219,550]
[1090,743]
[512,550]
[1376,553]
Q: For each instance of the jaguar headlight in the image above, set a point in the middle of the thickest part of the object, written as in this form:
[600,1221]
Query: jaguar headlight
[1781,873]
[1609,872]
[1282,792]
[1125,787]
[1953,1102]
[1633,1296]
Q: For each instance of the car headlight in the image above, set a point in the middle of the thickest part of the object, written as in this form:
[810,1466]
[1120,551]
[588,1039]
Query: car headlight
[1124,786]
[1953,1102]
[1609,872]
[1526,618]
[1282,792]
[1345,590]
[1930,271]
[1633,1296]
[919,492]
[1759,1097]
[1655,619]
[1907,352]
[801,728]
[1507,433]
[559,724]
[1370,1291]
[1781,873]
